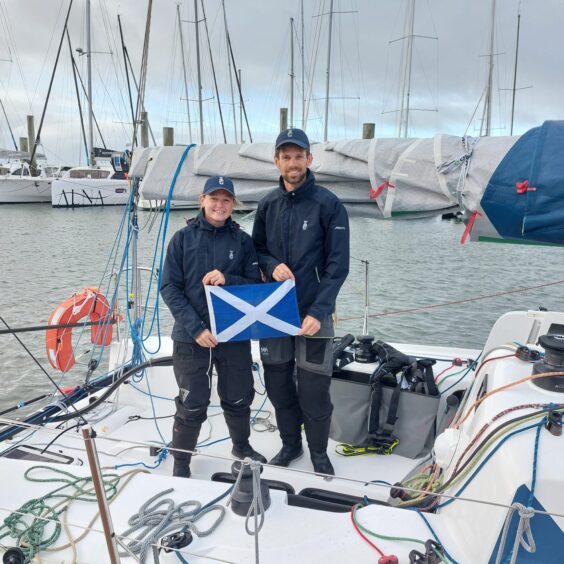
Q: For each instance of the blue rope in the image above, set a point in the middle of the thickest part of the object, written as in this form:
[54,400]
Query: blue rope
[535,461]
[434,534]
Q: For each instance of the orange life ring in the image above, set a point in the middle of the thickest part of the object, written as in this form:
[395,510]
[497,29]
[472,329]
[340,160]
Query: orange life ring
[59,341]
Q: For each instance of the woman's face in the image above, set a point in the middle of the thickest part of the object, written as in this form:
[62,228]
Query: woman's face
[217,207]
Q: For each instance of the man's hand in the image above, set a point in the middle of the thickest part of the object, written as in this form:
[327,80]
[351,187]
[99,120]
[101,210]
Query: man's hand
[206,339]
[214,278]
[310,326]
[282,272]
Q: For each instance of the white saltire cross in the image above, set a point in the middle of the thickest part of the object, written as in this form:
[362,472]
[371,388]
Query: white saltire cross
[252,313]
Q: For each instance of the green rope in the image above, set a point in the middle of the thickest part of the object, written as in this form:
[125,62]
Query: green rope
[29,524]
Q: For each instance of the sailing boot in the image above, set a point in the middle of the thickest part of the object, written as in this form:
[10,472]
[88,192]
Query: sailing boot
[240,430]
[184,437]
[287,454]
[321,463]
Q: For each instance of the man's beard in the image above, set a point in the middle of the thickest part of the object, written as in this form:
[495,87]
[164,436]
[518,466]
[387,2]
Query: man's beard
[300,179]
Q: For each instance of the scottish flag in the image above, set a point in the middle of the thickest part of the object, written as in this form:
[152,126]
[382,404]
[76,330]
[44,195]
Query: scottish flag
[253,311]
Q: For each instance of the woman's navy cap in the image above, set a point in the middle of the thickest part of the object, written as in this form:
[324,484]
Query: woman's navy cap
[216,183]
[294,136]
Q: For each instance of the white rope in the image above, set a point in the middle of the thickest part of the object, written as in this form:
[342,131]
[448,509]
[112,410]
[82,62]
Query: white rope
[523,530]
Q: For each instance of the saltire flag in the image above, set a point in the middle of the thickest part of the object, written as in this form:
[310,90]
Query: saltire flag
[253,311]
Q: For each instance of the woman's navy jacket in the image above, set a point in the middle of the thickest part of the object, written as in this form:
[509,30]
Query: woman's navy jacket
[308,230]
[194,251]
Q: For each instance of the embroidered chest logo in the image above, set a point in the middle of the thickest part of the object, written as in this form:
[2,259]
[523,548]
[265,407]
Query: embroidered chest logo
[231,255]
[304,226]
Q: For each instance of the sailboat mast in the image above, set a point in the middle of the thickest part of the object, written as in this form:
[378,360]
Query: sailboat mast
[292,72]
[91,159]
[515,71]
[199,72]
[230,71]
[184,72]
[328,71]
[488,99]
[303,63]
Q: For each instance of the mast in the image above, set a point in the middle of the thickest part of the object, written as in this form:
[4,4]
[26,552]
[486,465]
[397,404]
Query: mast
[213,73]
[230,75]
[184,72]
[124,52]
[292,72]
[403,121]
[91,159]
[488,99]
[241,111]
[328,71]
[199,72]
[515,69]
[303,63]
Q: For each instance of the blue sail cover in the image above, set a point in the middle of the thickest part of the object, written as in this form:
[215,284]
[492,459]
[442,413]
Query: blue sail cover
[524,199]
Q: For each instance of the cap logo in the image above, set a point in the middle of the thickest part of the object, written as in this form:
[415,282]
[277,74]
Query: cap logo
[290,133]
[230,255]
[304,226]
[221,181]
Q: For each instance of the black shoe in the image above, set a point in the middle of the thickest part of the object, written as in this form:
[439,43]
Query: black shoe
[321,463]
[181,469]
[287,454]
[247,451]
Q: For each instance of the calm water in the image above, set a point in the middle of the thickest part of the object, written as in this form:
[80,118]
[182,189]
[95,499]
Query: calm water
[48,254]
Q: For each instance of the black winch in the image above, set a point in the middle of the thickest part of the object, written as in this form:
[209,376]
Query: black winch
[553,361]
[244,494]
[364,352]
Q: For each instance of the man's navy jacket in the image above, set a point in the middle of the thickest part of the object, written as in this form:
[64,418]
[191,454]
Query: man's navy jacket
[308,230]
[194,251]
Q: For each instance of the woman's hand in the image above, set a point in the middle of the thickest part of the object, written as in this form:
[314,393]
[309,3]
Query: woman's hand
[206,339]
[214,278]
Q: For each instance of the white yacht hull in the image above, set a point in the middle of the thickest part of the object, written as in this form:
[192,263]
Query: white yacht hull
[87,192]
[25,190]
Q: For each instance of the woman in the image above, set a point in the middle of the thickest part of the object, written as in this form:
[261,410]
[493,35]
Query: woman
[213,250]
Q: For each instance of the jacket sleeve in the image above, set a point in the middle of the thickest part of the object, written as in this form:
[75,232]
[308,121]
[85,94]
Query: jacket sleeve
[172,289]
[266,261]
[337,257]
[250,269]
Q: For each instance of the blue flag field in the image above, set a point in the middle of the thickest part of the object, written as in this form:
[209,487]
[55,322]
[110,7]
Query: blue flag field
[253,311]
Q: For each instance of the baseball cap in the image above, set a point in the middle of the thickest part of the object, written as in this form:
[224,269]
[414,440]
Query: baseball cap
[216,183]
[294,136]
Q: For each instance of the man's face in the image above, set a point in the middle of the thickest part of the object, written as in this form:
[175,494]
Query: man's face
[292,162]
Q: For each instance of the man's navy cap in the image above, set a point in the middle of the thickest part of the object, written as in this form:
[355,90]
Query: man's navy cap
[216,183]
[294,136]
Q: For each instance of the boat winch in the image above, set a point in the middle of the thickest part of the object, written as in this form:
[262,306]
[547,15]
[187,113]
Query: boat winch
[553,361]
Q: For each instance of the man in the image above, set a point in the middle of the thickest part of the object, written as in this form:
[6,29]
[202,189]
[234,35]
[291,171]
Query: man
[301,232]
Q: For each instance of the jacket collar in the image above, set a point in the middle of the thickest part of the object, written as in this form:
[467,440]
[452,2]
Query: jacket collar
[300,192]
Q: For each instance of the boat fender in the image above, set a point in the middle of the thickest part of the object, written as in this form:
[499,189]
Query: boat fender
[58,342]
[445,447]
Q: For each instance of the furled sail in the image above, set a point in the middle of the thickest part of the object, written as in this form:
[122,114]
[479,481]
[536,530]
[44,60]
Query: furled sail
[384,177]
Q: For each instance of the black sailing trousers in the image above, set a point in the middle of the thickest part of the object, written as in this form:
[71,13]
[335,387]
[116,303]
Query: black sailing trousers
[193,367]
[303,399]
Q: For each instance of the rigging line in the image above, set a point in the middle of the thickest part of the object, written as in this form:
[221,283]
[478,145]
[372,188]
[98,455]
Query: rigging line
[455,302]
[213,72]
[38,137]
[42,368]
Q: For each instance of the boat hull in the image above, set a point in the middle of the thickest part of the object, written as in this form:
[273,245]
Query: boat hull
[26,190]
[70,193]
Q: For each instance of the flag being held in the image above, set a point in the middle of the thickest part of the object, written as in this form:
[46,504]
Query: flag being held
[253,311]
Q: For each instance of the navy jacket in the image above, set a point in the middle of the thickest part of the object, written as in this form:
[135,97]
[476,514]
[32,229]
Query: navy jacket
[308,230]
[194,251]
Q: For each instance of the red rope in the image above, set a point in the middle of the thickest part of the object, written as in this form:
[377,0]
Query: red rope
[361,534]
[454,302]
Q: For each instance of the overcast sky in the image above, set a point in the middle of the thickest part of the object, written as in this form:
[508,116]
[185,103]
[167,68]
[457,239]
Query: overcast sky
[448,73]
